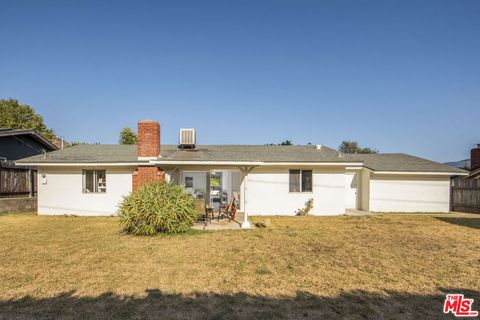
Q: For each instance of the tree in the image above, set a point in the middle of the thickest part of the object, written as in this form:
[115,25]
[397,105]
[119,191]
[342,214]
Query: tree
[352,147]
[76,143]
[128,136]
[80,143]
[15,115]
[286,143]
[283,143]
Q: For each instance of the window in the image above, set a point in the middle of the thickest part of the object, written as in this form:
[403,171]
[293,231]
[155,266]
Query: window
[306,180]
[294,180]
[188,182]
[94,181]
[300,180]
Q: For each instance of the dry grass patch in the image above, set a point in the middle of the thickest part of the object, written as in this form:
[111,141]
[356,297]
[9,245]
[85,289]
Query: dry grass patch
[370,267]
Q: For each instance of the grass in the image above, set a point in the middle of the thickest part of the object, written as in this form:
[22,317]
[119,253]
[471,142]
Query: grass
[381,266]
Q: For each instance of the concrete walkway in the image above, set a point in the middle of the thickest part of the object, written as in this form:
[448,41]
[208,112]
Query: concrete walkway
[355,212]
[223,224]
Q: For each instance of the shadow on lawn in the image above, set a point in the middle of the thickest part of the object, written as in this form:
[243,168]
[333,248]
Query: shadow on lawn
[465,222]
[158,305]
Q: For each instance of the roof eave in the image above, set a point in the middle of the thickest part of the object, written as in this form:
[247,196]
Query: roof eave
[431,173]
[82,164]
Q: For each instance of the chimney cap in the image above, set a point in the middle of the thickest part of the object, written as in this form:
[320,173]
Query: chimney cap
[147,120]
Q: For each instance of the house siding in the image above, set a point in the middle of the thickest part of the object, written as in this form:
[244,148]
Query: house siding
[409,193]
[267,192]
[62,193]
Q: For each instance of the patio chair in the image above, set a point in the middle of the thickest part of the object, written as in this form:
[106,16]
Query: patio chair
[228,211]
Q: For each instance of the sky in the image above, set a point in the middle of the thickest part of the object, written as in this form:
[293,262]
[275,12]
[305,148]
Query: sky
[398,76]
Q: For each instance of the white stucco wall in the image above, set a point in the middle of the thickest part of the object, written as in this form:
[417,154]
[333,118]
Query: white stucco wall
[409,193]
[62,193]
[267,192]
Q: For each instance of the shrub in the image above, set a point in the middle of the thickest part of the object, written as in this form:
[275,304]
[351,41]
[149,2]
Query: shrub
[305,211]
[157,208]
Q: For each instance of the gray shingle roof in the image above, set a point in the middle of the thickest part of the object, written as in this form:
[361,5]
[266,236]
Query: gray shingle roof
[402,162]
[128,153]
[253,153]
[88,153]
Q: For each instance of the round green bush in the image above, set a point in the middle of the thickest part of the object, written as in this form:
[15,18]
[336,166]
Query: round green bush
[157,208]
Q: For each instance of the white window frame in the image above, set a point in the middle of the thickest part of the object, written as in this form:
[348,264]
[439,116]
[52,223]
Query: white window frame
[300,181]
[95,181]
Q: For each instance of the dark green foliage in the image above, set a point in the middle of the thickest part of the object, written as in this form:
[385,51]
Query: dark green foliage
[128,136]
[77,143]
[15,115]
[157,208]
[352,147]
[283,143]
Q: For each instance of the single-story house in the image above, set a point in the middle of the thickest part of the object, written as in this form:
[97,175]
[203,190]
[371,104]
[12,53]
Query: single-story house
[264,179]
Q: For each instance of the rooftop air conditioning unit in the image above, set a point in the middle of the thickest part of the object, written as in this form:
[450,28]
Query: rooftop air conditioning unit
[187,138]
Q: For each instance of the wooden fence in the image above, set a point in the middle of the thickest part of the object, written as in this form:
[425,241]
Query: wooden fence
[16,181]
[465,195]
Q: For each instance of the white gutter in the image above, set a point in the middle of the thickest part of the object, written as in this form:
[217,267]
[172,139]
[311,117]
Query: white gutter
[231,163]
[80,164]
[349,165]
[256,163]
[423,173]
[313,164]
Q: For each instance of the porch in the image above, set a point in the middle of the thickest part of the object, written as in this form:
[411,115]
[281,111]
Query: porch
[220,191]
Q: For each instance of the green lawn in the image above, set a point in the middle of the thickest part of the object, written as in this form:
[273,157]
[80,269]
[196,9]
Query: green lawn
[390,266]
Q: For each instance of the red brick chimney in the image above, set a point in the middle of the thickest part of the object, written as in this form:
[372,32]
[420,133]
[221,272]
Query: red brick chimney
[148,149]
[475,158]
[148,139]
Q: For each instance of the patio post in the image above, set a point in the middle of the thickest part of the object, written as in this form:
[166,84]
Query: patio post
[245,171]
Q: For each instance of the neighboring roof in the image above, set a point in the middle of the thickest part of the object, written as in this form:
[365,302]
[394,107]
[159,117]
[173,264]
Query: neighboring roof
[241,153]
[475,174]
[7,132]
[402,162]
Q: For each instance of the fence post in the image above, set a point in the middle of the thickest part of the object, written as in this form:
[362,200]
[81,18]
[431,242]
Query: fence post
[452,184]
[30,184]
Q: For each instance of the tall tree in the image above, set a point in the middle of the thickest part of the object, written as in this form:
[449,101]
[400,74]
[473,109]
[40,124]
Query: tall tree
[128,136]
[352,147]
[21,116]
